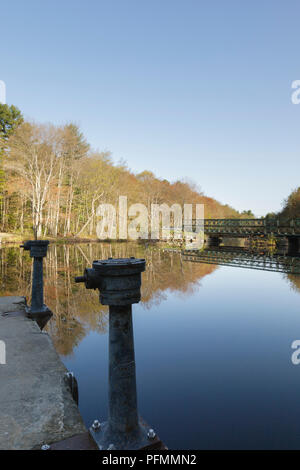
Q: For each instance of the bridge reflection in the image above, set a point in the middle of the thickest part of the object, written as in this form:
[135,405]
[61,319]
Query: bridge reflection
[264,260]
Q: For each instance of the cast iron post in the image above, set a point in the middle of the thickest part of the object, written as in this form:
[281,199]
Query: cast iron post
[119,283]
[38,310]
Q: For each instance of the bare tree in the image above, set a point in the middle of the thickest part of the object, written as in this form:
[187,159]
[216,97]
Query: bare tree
[33,153]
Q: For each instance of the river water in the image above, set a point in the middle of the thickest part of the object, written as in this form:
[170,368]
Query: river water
[213,344]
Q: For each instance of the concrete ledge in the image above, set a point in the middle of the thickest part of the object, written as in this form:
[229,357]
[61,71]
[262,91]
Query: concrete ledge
[36,405]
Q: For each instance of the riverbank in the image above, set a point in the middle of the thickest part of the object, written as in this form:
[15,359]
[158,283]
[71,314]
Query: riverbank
[16,238]
[12,239]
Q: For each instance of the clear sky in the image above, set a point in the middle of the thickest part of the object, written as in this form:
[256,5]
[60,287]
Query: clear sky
[185,88]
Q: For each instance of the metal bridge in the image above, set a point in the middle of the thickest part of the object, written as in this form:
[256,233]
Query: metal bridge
[242,258]
[244,228]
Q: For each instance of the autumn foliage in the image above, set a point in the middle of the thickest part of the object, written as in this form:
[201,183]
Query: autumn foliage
[54,183]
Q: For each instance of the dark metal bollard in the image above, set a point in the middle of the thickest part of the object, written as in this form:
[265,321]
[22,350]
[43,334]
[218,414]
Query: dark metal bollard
[38,311]
[119,283]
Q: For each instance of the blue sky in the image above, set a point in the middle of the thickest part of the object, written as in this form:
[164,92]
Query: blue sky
[187,89]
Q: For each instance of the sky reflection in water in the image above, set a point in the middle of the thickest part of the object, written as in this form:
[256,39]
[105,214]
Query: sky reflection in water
[213,345]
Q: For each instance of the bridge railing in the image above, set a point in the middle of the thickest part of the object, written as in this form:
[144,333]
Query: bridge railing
[249,223]
[234,222]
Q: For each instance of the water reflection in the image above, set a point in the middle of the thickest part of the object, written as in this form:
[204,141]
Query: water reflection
[266,260]
[213,344]
[77,311]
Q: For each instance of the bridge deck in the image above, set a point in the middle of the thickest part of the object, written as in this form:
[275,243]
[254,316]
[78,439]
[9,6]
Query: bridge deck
[247,227]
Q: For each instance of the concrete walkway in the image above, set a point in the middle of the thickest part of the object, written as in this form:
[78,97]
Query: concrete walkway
[36,406]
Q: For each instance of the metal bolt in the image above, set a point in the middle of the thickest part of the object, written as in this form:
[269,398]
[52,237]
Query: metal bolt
[111,447]
[45,447]
[151,434]
[96,425]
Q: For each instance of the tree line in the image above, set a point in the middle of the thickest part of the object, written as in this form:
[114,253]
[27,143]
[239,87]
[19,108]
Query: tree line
[51,181]
[291,206]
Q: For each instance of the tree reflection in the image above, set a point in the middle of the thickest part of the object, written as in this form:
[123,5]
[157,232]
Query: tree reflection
[294,281]
[77,310]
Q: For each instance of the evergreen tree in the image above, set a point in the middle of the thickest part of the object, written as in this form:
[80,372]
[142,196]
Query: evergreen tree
[10,118]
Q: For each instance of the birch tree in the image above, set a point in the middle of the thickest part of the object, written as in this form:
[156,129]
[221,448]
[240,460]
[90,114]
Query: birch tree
[33,153]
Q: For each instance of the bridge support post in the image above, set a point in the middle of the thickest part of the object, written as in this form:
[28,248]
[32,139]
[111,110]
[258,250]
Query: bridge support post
[213,240]
[293,245]
[38,311]
[282,245]
[119,282]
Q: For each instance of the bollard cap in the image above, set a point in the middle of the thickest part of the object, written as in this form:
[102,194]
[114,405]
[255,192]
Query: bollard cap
[29,243]
[37,248]
[119,266]
[118,280]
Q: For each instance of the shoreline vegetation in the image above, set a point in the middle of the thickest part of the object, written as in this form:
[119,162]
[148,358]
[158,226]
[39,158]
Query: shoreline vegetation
[13,239]
[52,182]
[16,238]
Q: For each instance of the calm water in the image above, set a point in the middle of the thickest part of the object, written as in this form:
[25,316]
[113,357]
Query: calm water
[213,345]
